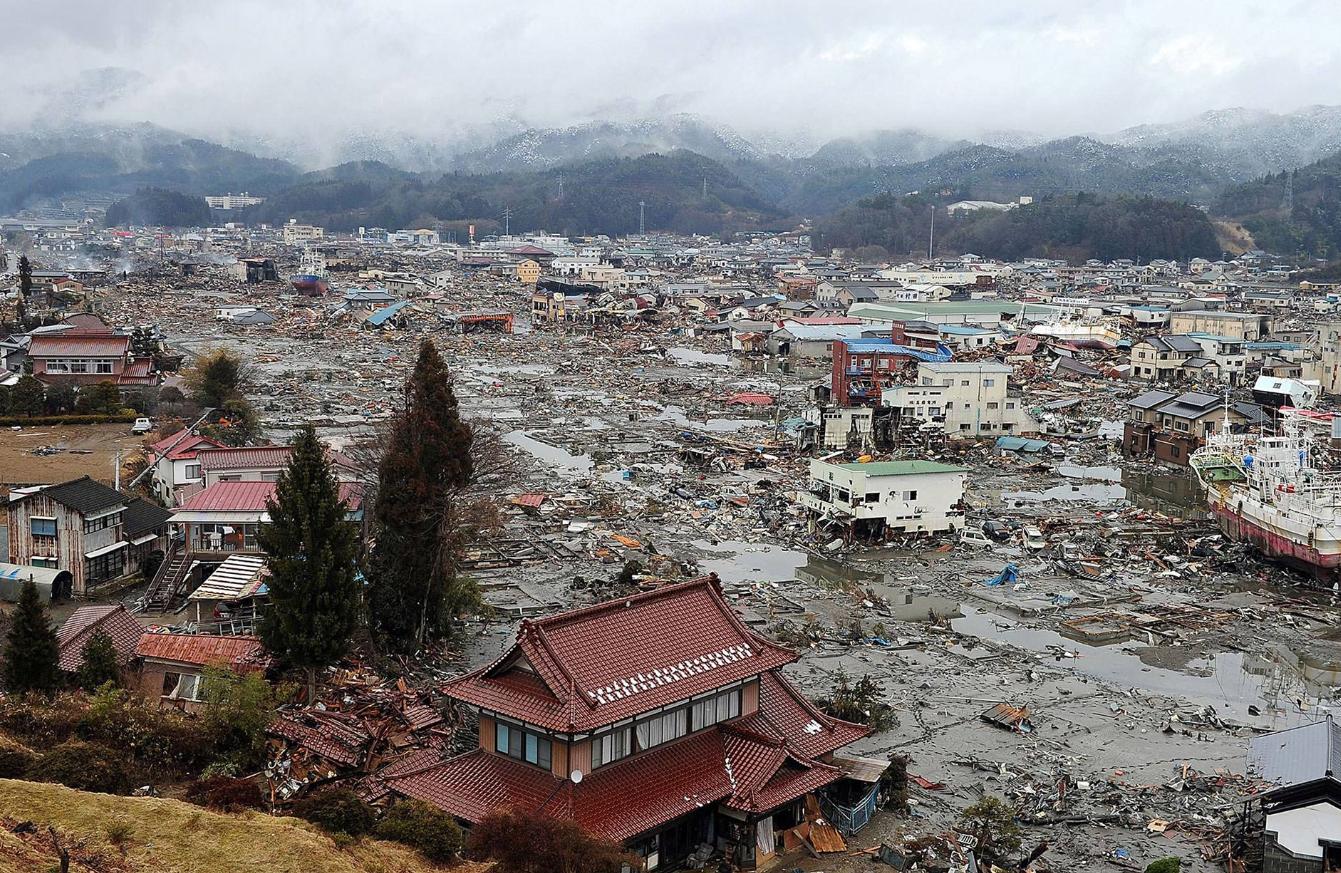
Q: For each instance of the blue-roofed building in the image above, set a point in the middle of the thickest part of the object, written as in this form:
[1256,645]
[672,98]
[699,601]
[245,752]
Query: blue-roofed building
[387,316]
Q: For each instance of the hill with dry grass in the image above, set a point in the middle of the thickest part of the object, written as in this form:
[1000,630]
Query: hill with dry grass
[112,834]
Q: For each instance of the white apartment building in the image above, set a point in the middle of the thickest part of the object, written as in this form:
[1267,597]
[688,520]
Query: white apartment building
[968,397]
[870,501]
[297,234]
[232,201]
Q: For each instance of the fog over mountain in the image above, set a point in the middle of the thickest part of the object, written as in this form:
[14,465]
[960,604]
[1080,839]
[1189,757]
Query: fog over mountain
[420,84]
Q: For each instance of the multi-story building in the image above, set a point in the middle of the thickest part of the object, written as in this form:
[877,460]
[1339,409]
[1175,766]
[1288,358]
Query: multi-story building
[970,399]
[870,501]
[659,720]
[90,533]
[297,234]
[232,201]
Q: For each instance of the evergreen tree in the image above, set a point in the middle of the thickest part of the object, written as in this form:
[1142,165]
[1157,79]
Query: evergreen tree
[29,397]
[31,652]
[413,580]
[25,277]
[311,551]
[99,665]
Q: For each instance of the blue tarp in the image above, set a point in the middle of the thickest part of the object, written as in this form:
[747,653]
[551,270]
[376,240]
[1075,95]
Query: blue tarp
[1009,575]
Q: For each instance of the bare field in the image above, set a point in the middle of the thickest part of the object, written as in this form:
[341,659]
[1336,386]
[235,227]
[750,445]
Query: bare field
[87,449]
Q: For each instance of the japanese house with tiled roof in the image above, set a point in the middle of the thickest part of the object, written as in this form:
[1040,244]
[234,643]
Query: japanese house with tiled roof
[660,721]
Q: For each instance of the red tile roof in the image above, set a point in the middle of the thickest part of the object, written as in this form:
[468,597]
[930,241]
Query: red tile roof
[748,772]
[245,458]
[186,446]
[67,344]
[785,712]
[252,496]
[597,665]
[258,458]
[85,622]
[339,738]
[616,802]
[238,653]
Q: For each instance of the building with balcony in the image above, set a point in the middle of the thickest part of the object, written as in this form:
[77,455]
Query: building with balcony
[883,498]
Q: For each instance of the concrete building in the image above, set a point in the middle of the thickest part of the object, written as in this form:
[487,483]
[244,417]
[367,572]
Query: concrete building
[871,501]
[297,234]
[969,398]
[1240,325]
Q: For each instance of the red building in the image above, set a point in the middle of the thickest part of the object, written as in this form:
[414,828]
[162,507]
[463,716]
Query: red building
[86,351]
[659,721]
[863,368]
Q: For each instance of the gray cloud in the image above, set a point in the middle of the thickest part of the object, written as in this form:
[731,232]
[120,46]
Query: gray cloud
[440,69]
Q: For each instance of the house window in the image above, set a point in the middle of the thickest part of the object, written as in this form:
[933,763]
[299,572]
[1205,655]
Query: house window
[102,522]
[524,745]
[38,561]
[191,471]
[717,707]
[181,686]
[663,728]
[993,405]
[873,497]
[43,527]
[610,747]
[910,495]
[103,366]
[108,566]
[988,383]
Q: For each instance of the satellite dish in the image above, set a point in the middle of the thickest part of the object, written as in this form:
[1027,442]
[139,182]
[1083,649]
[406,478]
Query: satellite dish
[576,776]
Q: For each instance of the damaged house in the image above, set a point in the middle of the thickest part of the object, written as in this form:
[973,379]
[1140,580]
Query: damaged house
[871,501]
[658,720]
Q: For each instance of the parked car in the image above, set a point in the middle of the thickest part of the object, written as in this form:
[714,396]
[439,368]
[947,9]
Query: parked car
[997,530]
[141,426]
[975,538]
[1034,539]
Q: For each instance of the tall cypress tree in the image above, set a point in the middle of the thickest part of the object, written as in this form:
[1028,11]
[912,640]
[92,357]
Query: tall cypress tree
[413,582]
[311,551]
[25,277]
[31,651]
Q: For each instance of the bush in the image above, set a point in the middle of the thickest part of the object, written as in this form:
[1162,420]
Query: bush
[1164,865]
[15,761]
[51,420]
[119,832]
[337,811]
[157,738]
[85,766]
[238,707]
[992,821]
[226,793]
[523,843]
[423,827]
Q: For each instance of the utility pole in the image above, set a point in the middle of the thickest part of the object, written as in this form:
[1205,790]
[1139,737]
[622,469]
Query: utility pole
[705,187]
[931,237]
[561,187]
[507,221]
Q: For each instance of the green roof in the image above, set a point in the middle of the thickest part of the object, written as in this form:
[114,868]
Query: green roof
[901,468]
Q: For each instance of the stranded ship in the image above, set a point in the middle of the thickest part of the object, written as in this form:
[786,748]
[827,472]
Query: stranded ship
[1086,332]
[1267,491]
[310,280]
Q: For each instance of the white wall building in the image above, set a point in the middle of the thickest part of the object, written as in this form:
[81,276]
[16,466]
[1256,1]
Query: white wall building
[886,497]
[968,397]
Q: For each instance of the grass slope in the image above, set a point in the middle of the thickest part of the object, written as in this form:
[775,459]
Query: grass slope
[170,836]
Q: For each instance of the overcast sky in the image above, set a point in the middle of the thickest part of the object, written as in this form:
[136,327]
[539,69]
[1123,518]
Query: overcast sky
[831,67]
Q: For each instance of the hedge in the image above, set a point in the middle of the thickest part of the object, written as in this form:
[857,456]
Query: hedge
[48,420]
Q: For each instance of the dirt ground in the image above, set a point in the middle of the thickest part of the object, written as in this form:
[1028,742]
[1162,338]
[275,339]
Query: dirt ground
[82,450]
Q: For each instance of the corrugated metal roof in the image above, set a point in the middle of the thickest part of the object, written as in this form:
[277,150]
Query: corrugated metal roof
[1297,755]
[238,577]
[203,649]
